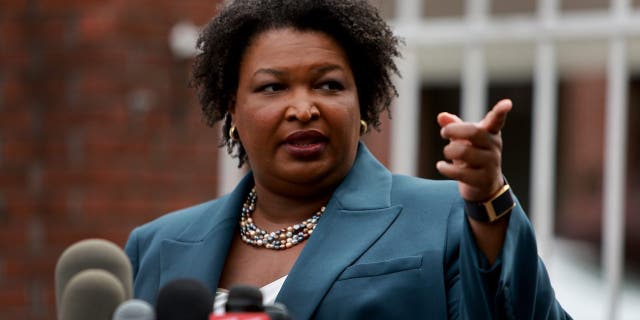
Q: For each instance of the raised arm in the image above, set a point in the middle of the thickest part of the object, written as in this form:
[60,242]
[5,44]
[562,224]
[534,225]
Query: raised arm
[475,150]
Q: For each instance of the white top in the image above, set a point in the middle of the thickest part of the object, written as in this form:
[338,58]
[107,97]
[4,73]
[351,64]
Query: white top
[269,294]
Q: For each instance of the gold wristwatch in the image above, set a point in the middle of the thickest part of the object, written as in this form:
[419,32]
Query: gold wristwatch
[493,209]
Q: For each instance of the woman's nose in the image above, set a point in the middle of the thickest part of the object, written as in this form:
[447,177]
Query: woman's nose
[302,108]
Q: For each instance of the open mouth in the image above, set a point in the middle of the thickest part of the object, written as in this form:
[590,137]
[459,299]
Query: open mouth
[305,143]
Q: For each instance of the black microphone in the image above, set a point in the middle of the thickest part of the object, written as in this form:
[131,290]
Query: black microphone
[184,299]
[244,298]
[92,254]
[91,294]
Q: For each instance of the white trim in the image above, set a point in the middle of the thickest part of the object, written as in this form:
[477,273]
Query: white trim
[614,175]
[543,154]
[615,156]
[474,84]
[409,10]
[446,32]
[474,65]
[406,117]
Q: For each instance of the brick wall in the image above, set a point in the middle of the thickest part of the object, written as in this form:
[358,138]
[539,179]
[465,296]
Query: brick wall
[99,132]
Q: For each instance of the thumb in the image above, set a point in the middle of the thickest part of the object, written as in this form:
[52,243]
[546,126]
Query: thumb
[496,118]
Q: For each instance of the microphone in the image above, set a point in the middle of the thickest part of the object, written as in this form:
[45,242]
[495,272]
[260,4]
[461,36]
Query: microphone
[92,254]
[91,294]
[184,299]
[245,303]
[134,309]
[244,298]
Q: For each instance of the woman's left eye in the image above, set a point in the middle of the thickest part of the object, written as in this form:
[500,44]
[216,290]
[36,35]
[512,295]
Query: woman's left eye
[331,86]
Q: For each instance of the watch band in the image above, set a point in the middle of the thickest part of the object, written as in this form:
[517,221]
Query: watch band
[493,209]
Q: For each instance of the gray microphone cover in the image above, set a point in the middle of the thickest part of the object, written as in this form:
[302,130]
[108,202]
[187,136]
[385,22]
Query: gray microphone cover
[134,310]
[91,294]
[93,254]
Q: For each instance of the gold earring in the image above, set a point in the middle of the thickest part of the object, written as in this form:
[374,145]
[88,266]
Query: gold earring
[233,133]
[363,127]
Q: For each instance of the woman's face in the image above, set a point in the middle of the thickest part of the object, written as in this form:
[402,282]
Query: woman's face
[297,110]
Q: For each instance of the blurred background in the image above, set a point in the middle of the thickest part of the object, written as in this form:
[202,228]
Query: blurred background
[100,132]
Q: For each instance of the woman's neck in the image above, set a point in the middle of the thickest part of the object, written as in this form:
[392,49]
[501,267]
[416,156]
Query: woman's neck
[276,210]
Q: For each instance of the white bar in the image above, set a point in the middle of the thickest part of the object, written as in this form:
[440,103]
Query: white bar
[621,8]
[477,11]
[409,10]
[474,84]
[406,117]
[474,70]
[548,10]
[615,160]
[543,154]
[579,26]
[614,175]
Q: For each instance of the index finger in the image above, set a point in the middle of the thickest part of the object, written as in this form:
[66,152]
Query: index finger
[496,118]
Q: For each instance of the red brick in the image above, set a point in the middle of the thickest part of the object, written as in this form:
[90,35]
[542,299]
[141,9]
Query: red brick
[13,34]
[20,205]
[13,238]
[56,32]
[14,92]
[106,167]
[13,296]
[16,269]
[199,12]
[98,24]
[16,122]
[13,6]
[58,6]
[61,235]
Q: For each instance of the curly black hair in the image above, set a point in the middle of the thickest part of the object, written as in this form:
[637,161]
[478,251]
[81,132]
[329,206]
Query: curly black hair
[356,25]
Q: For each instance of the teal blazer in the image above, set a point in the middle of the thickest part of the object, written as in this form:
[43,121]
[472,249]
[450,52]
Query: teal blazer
[387,247]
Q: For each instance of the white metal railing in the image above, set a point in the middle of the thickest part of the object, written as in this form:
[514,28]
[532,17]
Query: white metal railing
[544,130]
[615,159]
[548,28]
[404,127]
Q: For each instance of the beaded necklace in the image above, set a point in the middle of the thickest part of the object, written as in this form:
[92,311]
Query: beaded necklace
[284,238]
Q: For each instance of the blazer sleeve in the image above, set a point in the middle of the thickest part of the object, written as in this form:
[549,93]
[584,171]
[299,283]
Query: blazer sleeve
[516,286]
[131,248]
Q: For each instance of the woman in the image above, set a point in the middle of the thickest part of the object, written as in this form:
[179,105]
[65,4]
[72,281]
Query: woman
[318,222]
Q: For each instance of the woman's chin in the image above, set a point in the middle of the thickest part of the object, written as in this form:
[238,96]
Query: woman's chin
[307,172]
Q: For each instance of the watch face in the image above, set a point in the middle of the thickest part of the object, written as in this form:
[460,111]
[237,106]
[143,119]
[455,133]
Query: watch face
[494,209]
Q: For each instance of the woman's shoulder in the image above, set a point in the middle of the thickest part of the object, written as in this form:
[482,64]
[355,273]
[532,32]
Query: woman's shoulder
[434,202]
[173,223]
[419,188]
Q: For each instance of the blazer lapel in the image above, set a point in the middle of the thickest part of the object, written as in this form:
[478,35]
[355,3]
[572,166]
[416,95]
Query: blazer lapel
[200,251]
[357,215]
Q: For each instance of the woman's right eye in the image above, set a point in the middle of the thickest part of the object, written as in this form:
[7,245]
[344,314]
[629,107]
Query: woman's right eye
[271,88]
